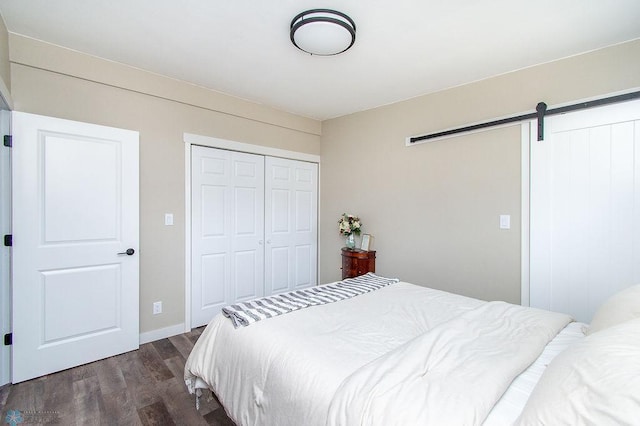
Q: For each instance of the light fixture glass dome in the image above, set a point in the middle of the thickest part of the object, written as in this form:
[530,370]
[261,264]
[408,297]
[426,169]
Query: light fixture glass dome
[323,32]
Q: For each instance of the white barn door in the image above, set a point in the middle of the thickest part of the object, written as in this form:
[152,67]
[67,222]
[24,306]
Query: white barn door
[227,227]
[585,209]
[75,215]
[291,224]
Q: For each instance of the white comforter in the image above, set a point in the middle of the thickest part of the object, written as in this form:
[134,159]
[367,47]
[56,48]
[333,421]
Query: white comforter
[286,370]
[453,374]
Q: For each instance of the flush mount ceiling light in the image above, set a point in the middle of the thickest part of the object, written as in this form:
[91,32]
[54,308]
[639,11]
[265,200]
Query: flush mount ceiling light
[323,32]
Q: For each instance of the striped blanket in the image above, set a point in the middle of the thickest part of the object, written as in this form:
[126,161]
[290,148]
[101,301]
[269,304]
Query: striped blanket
[246,313]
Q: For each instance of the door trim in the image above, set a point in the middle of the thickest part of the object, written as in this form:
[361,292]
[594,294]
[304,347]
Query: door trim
[211,142]
[5,252]
[190,139]
[525,138]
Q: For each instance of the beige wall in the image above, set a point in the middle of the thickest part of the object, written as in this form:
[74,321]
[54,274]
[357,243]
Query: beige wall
[433,208]
[5,71]
[48,83]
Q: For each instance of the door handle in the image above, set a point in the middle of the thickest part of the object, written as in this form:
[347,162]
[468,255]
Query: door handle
[129,252]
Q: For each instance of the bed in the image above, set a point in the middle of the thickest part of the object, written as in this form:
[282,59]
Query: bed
[405,354]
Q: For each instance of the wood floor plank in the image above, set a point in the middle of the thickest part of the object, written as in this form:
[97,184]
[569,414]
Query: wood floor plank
[154,363]
[176,365]
[218,418]
[133,369]
[145,394]
[165,348]
[84,387]
[183,344]
[87,408]
[52,385]
[140,382]
[155,414]
[119,409]
[63,415]
[194,334]
[4,394]
[29,396]
[110,376]
[178,404]
[58,404]
[83,371]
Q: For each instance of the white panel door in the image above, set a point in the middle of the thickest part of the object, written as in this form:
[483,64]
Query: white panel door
[585,209]
[75,211]
[227,230]
[291,224]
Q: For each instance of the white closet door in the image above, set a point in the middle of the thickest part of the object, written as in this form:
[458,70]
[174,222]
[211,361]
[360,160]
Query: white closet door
[227,230]
[585,209]
[291,221]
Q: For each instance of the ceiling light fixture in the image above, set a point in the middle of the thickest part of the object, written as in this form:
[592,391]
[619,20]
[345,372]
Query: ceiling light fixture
[323,32]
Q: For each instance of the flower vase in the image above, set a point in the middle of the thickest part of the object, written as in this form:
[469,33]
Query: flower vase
[351,241]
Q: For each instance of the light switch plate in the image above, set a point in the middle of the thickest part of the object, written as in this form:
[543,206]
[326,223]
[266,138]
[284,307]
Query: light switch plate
[505,221]
[168,219]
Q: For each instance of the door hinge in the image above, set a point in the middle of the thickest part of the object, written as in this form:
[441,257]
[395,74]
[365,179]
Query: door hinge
[8,339]
[8,240]
[8,140]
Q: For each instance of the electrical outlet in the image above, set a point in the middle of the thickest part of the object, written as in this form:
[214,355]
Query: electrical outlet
[157,308]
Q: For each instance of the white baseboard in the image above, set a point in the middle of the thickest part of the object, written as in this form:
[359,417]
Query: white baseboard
[161,333]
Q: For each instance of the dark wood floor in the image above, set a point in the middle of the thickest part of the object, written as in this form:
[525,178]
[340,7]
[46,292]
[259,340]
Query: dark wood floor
[143,387]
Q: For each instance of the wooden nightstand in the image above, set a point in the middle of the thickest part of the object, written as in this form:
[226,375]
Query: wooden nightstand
[357,262]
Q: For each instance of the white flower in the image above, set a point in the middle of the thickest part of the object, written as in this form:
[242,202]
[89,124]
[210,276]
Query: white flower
[348,224]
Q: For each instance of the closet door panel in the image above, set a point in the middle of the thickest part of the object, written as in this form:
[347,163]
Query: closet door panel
[304,268]
[211,231]
[213,271]
[280,224]
[247,281]
[279,269]
[280,208]
[304,211]
[291,205]
[227,229]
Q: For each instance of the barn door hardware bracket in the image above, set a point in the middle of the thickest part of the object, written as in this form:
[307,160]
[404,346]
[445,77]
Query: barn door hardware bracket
[541,109]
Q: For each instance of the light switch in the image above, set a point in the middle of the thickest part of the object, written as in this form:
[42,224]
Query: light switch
[505,221]
[168,219]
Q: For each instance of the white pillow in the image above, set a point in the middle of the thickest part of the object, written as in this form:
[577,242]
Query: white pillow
[620,307]
[593,382]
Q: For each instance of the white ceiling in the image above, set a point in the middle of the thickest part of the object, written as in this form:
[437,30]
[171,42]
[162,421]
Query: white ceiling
[404,48]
